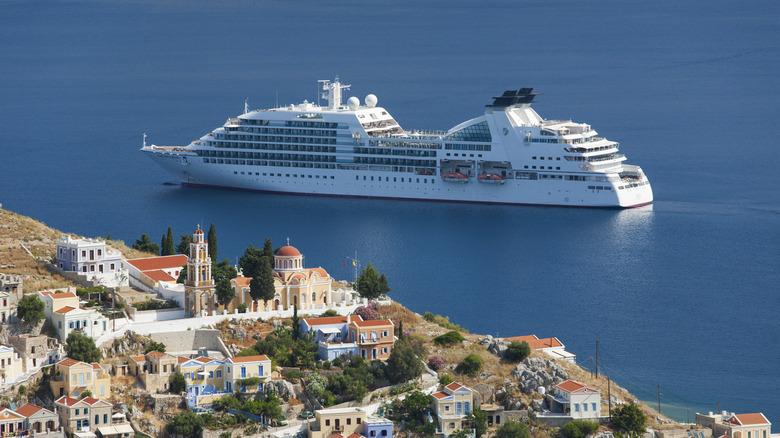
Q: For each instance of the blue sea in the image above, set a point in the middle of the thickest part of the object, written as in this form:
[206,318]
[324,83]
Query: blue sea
[682,294]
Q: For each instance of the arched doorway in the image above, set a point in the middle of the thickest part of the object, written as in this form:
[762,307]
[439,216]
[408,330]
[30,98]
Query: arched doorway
[254,306]
[276,304]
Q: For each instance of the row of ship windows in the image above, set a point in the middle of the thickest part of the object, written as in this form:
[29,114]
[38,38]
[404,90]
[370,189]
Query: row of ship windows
[404,144]
[286,175]
[395,179]
[463,155]
[549,158]
[271,163]
[264,156]
[383,151]
[252,132]
[272,147]
[628,186]
[467,147]
[542,167]
[277,138]
[394,161]
[583,150]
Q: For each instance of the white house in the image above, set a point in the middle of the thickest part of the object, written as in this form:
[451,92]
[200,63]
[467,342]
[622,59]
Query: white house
[91,259]
[87,322]
[55,301]
[10,364]
[575,400]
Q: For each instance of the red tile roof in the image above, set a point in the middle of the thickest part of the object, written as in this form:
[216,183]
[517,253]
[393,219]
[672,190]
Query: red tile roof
[138,358]
[158,275]
[203,359]
[535,343]
[155,353]
[440,395]
[90,400]
[67,401]
[239,359]
[572,386]
[748,419]
[326,320]
[68,362]
[355,435]
[96,366]
[454,386]
[336,435]
[28,409]
[62,295]
[64,310]
[243,281]
[164,262]
[374,323]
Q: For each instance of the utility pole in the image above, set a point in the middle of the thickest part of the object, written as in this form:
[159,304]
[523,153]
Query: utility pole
[609,397]
[597,358]
[689,415]
[591,367]
[659,399]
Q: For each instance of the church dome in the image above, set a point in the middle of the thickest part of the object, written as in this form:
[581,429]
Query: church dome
[287,251]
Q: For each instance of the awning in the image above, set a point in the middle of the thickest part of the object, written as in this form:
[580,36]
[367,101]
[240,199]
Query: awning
[329,330]
[117,430]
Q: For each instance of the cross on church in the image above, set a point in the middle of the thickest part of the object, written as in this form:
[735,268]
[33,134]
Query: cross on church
[288,241]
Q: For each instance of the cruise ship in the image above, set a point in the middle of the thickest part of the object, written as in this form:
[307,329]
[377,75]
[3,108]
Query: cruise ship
[508,155]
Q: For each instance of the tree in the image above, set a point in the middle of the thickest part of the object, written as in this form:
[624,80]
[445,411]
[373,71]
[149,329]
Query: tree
[178,383]
[512,429]
[479,419]
[184,244]
[470,366]
[212,241]
[263,287]
[186,424]
[30,309]
[154,346]
[223,270]
[182,275]
[579,428]
[368,312]
[86,393]
[370,284]
[445,379]
[167,247]
[403,365]
[629,418]
[517,351]
[268,251]
[145,244]
[250,262]
[225,292]
[435,363]
[81,347]
[296,324]
[448,339]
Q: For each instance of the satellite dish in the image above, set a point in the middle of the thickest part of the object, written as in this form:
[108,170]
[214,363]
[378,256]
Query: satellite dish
[371,101]
[353,103]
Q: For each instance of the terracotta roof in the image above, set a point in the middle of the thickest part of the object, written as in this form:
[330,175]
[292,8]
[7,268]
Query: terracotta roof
[326,320]
[355,435]
[242,281]
[164,262]
[62,295]
[68,362]
[535,343]
[198,231]
[138,358]
[65,309]
[96,366]
[239,359]
[182,359]
[155,353]
[440,395]
[90,400]
[748,419]
[203,359]
[572,386]
[373,323]
[28,410]
[287,251]
[67,401]
[158,275]
[336,435]
[454,386]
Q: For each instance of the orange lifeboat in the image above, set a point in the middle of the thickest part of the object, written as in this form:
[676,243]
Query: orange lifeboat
[491,178]
[455,177]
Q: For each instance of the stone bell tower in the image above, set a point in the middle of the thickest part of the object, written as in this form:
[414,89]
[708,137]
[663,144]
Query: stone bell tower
[199,290]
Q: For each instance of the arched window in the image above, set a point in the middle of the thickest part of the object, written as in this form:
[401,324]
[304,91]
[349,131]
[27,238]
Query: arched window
[313,297]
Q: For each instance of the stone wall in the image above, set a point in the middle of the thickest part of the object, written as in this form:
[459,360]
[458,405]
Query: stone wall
[192,340]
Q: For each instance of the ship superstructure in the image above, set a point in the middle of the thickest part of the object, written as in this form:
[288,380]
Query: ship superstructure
[508,155]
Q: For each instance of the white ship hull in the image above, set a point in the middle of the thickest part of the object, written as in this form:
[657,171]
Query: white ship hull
[360,151]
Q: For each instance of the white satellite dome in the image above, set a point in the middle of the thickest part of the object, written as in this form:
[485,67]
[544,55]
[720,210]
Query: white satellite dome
[371,101]
[353,103]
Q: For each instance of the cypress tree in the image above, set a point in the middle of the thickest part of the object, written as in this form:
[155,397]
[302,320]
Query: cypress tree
[163,245]
[212,240]
[295,323]
[170,248]
[268,251]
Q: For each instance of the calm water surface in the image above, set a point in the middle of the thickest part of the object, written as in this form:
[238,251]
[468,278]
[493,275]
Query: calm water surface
[682,293]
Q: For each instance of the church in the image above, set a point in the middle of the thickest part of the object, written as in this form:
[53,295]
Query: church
[307,288]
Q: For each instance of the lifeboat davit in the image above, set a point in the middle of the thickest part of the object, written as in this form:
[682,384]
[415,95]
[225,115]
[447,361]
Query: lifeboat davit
[455,177]
[491,178]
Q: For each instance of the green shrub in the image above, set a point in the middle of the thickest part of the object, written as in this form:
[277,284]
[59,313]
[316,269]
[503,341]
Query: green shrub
[448,339]
[446,379]
[579,428]
[517,351]
[428,316]
[470,366]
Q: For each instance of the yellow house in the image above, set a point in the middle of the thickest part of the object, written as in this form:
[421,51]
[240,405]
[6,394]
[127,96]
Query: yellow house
[374,338]
[154,370]
[451,407]
[73,377]
[343,421]
[10,364]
